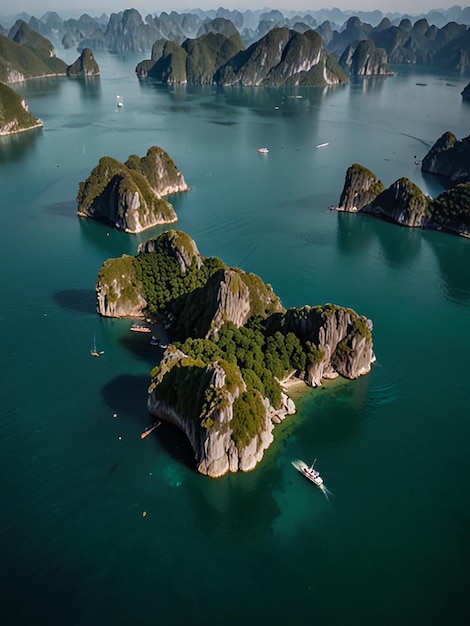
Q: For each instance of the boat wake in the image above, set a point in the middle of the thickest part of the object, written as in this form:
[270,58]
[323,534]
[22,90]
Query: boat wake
[301,466]
[326,492]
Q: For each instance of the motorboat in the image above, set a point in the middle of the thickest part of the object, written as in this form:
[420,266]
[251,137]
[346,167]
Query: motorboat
[263,150]
[312,474]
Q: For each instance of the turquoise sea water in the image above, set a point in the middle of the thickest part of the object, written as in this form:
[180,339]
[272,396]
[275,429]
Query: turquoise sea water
[391,545]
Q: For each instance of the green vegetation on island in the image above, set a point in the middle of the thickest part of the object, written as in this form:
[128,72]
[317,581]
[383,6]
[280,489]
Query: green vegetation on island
[232,345]
[129,195]
[14,114]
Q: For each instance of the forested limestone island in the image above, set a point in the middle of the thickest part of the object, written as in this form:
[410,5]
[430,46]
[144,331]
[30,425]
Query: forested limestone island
[14,114]
[26,54]
[436,38]
[85,66]
[283,57]
[129,196]
[233,343]
[405,204]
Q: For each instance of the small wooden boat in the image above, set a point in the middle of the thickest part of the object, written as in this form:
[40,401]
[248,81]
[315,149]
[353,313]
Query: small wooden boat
[138,328]
[150,429]
[94,351]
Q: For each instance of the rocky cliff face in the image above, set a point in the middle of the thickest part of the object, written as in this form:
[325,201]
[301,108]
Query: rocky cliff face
[229,295]
[403,203]
[449,157]
[177,245]
[194,61]
[343,340]
[129,195]
[84,66]
[118,292]
[217,385]
[127,32]
[367,60]
[282,57]
[210,425]
[361,186]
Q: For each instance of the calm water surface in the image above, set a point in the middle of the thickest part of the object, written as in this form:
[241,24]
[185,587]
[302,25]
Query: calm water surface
[390,546]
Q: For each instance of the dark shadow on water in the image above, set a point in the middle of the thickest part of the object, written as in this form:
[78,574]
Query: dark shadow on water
[81,300]
[112,241]
[63,209]
[129,393]
[139,345]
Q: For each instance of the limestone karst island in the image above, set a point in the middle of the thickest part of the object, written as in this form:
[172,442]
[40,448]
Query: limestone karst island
[129,196]
[405,204]
[232,345]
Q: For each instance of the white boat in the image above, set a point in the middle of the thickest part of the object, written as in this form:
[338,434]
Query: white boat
[119,101]
[322,145]
[309,472]
[263,150]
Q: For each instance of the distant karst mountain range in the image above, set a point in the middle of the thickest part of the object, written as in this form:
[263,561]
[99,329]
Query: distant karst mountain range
[438,38]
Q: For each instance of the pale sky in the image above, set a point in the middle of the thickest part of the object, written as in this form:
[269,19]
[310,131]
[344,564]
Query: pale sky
[97,7]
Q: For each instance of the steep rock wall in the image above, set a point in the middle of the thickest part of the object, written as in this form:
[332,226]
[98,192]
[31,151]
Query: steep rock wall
[361,186]
[449,157]
[343,338]
[209,427]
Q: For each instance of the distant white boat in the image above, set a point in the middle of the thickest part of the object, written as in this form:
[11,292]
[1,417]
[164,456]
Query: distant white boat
[263,150]
[119,101]
[322,145]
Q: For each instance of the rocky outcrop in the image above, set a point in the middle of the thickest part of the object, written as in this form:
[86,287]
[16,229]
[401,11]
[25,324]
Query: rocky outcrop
[450,211]
[229,295]
[127,32]
[341,338]
[216,381]
[118,291]
[209,423]
[129,196]
[195,61]
[207,292]
[366,60]
[449,157]
[14,114]
[176,245]
[361,186]
[19,61]
[283,57]
[84,66]
[403,203]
